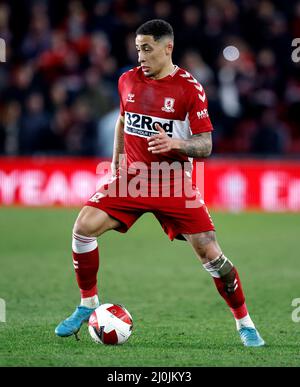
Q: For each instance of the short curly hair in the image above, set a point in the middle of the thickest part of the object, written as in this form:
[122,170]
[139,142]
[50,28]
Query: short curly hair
[157,28]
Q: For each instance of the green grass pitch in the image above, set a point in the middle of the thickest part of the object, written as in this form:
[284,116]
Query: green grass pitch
[179,318]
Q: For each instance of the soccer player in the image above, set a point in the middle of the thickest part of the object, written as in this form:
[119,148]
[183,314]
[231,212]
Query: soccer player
[163,118]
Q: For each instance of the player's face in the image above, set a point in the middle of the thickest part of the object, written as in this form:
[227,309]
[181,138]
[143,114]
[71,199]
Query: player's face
[153,56]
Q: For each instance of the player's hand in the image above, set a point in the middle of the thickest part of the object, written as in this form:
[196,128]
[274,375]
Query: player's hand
[161,142]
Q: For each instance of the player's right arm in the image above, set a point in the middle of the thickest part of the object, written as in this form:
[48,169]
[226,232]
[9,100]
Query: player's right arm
[118,150]
[118,145]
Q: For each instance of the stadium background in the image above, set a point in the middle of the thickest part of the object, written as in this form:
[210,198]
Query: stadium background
[58,106]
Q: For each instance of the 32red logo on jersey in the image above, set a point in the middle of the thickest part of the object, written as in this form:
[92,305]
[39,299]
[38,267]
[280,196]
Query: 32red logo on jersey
[144,126]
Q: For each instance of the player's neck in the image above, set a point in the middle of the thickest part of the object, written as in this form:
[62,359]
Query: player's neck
[167,70]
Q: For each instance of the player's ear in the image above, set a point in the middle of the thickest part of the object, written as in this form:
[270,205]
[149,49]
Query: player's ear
[169,47]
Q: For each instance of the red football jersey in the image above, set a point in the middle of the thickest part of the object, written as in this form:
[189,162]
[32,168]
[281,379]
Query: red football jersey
[177,102]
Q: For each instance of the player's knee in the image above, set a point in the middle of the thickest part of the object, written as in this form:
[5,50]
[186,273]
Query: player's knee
[93,223]
[206,246]
[84,226]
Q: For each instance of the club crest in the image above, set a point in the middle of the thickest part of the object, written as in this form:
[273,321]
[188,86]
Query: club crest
[168,105]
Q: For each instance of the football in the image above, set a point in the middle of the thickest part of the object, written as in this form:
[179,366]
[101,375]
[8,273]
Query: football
[110,324]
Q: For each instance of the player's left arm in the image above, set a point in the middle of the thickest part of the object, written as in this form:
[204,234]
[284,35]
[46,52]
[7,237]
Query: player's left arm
[200,145]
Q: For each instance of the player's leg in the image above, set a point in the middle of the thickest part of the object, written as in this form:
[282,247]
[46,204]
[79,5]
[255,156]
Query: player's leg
[90,223]
[227,281]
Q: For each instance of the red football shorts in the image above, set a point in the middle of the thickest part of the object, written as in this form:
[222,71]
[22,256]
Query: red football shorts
[174,214]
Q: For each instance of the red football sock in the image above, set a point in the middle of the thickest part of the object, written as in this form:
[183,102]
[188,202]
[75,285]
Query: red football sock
[236,299]
[86,264]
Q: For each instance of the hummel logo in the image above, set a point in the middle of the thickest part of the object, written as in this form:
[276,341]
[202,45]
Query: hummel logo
[130,98]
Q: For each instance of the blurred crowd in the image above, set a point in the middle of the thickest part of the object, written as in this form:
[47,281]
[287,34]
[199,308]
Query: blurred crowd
[58,86]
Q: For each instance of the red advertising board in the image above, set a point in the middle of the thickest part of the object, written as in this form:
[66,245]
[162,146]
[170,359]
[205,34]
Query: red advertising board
[253,184]
[229,184]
